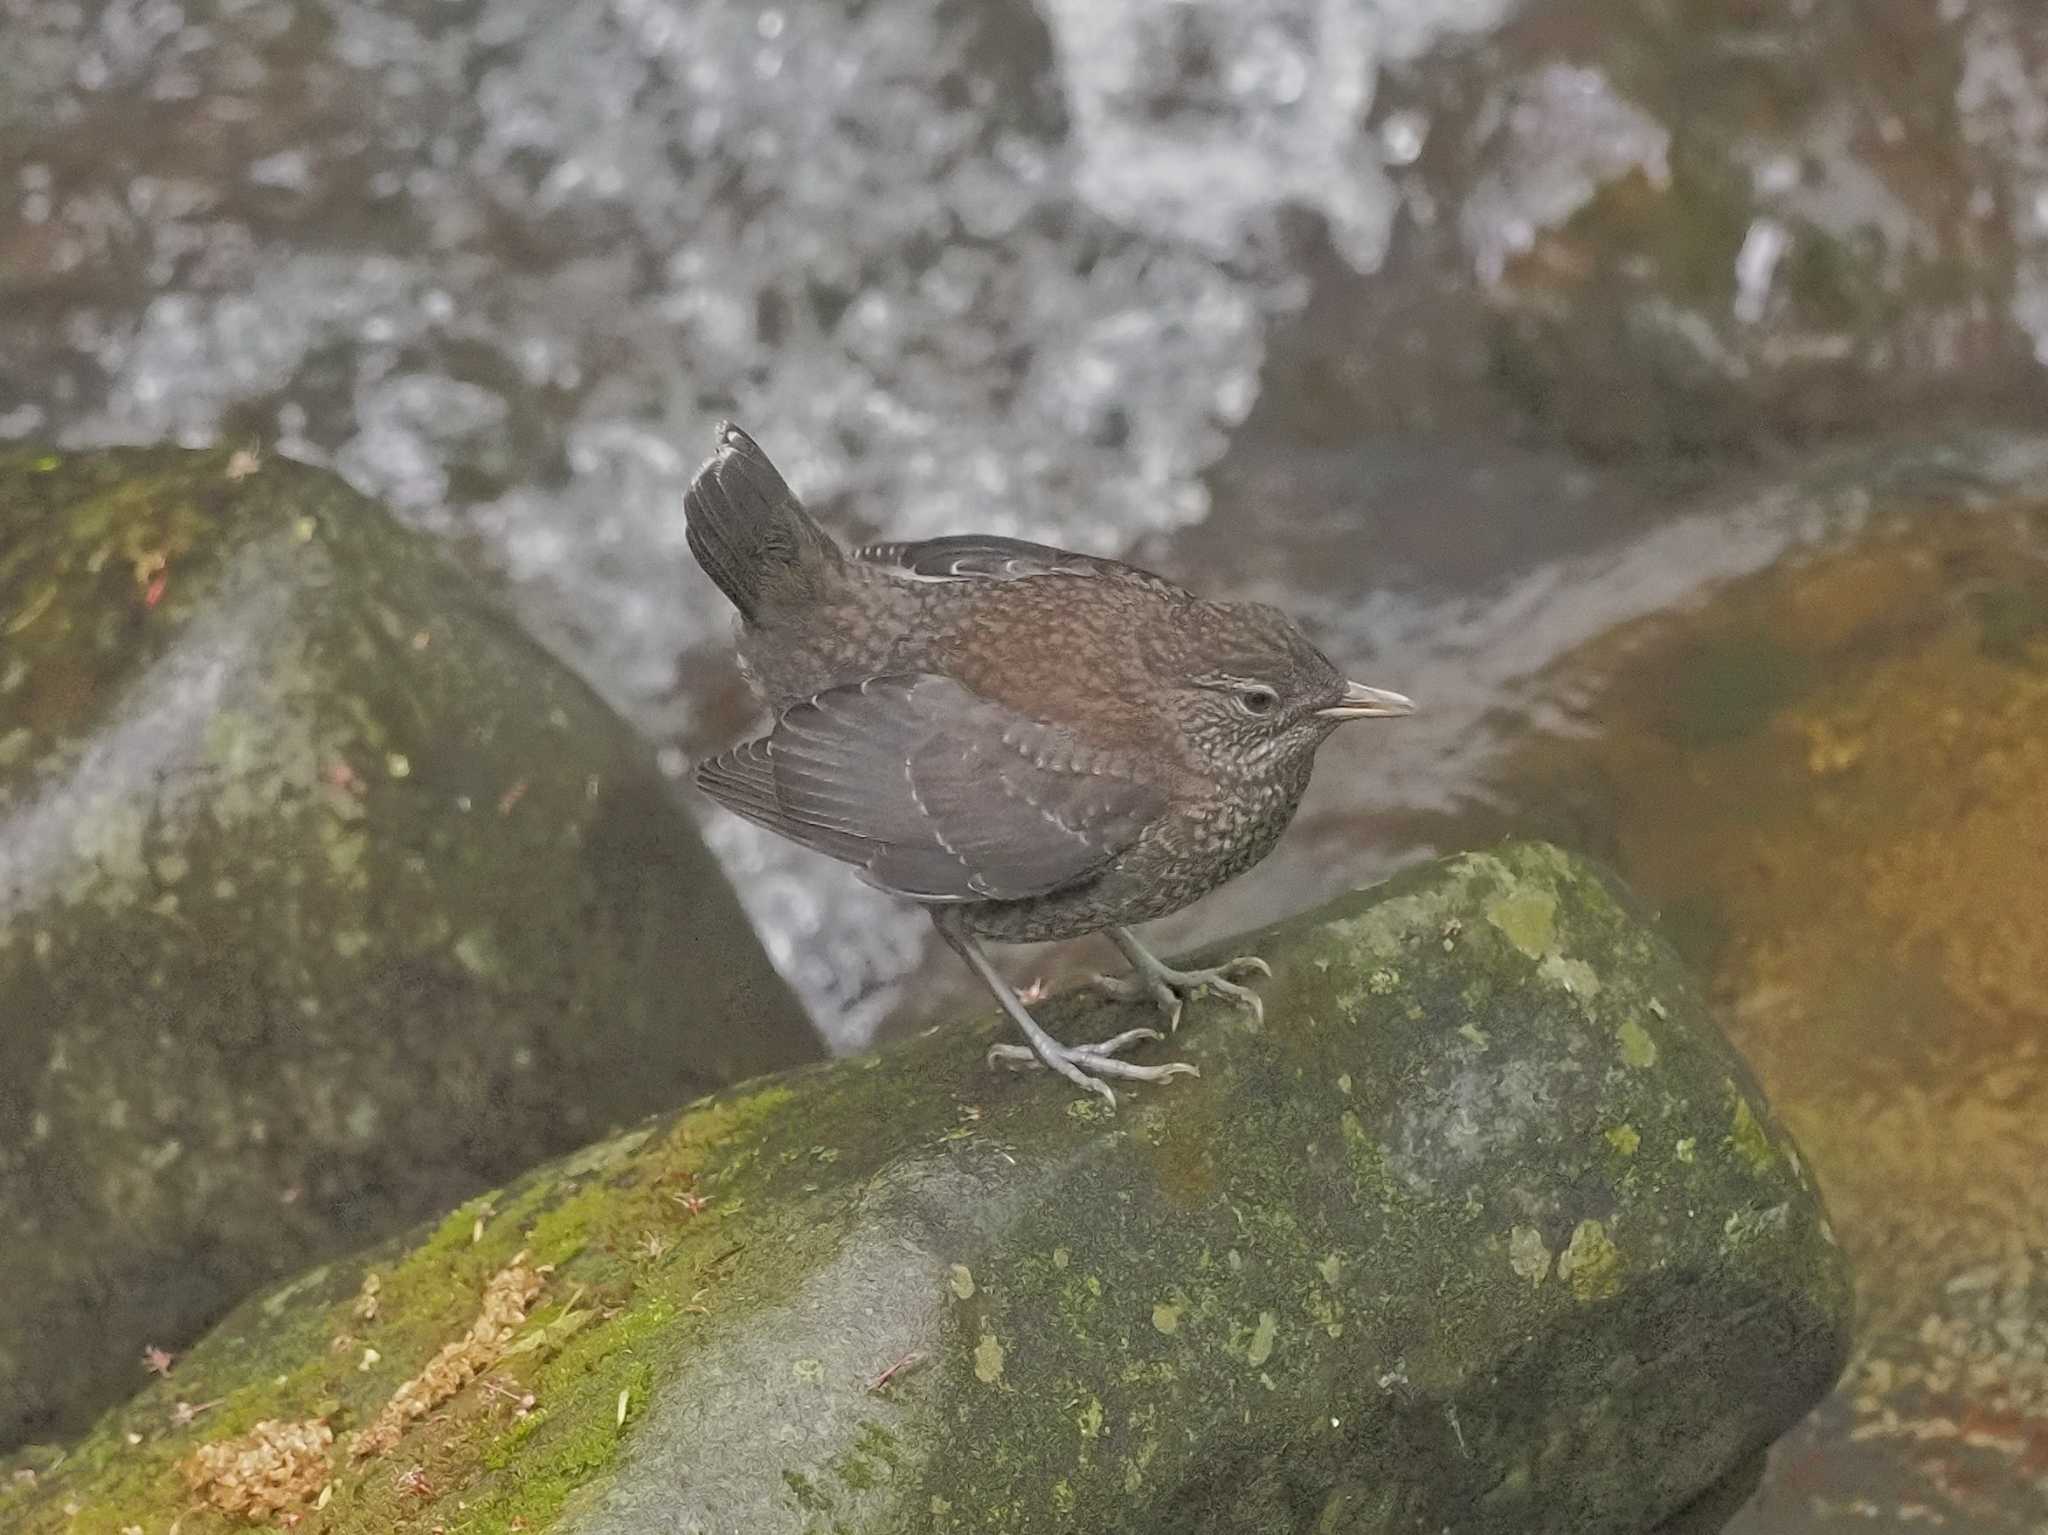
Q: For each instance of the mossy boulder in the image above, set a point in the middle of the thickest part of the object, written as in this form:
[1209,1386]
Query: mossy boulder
[326,898]
[1831,777]
[1485,1227]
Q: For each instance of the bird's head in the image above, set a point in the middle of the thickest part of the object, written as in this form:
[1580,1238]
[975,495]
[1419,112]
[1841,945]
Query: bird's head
[1255,695]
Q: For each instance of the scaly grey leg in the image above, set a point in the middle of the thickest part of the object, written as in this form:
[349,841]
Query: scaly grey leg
[1170,988]
[1083,1065]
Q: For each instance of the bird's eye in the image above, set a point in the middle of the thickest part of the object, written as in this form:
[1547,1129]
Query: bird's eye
[1257,701]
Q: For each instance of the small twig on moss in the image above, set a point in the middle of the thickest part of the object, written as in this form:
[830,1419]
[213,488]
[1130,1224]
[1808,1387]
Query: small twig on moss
[909,1361]
[523,1401]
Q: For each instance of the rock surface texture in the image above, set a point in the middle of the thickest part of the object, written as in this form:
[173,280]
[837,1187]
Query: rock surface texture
[326,899]
[1832,780]
[1484,1228]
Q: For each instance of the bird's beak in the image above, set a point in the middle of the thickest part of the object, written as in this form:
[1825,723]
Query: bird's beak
[1363,703]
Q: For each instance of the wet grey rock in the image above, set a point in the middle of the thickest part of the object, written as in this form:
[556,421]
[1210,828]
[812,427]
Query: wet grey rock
[1484,1228]
[1709,1513]
[1940,1420]
[326,897]
[1713,231]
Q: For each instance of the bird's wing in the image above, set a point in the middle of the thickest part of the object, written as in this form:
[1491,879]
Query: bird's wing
[973,556]
[934,792]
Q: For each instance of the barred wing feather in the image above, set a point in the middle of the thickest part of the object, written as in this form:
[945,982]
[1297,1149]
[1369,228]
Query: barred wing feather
[934,792]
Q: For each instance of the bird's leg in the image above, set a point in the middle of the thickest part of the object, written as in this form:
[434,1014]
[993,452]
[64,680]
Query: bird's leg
[1083,1065]
[1170,988]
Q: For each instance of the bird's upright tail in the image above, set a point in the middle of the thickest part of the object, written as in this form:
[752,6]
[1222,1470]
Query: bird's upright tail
[749,531]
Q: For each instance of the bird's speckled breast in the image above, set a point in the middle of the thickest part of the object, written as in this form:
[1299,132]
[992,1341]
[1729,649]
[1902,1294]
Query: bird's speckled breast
[1190,852]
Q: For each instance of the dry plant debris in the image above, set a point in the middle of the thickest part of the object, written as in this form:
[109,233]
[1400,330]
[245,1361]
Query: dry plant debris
[365,1308]
[266,1471]
[506,1298]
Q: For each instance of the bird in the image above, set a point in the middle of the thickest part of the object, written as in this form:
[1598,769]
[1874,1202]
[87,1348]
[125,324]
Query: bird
[1029,743]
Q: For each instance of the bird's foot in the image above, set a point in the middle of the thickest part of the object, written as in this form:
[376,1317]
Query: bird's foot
[1086,1065]
[1083,1065]
[1170,988]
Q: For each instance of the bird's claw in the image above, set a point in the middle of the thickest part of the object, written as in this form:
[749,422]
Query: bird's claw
[1086,1065]
[1137,988]
[1170,988]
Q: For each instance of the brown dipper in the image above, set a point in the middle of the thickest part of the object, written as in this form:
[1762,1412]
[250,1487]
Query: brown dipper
[1032,744]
